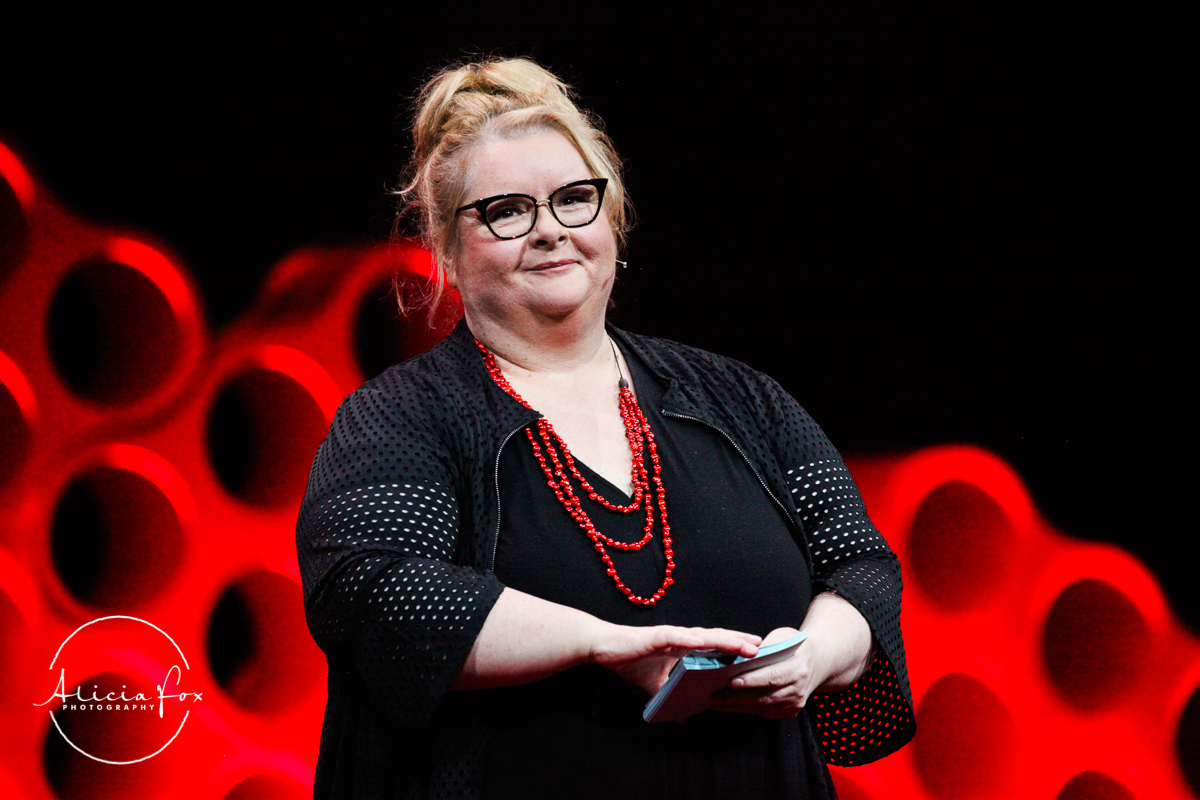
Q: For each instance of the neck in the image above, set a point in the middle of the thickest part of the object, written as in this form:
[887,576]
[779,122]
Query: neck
[543,346]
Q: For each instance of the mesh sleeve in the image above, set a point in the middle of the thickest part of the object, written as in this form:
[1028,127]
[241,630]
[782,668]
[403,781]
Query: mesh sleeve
[874,717]
[376,537]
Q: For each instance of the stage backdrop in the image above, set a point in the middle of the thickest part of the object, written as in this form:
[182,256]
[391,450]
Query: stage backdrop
[938,234]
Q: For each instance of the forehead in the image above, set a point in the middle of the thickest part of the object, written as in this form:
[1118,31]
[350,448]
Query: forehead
[535,163]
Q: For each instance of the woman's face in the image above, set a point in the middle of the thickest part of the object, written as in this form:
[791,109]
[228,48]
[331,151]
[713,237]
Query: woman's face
[552,272]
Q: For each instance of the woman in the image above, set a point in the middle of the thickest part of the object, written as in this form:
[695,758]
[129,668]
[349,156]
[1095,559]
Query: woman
[499,590]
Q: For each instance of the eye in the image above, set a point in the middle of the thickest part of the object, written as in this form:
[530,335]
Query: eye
[575,196]
[507,209]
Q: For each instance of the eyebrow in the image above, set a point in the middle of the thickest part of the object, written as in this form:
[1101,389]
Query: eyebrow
[465,206]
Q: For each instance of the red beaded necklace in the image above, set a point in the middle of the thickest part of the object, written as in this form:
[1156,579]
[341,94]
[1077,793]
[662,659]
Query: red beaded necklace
[637,431]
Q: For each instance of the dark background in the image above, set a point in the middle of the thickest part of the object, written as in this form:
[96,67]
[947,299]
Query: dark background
[929,228]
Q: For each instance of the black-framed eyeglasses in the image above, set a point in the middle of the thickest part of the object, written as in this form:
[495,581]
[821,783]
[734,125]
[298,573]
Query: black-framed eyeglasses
[511,216]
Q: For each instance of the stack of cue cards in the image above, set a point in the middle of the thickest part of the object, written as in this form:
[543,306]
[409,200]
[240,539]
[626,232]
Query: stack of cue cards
[700,673]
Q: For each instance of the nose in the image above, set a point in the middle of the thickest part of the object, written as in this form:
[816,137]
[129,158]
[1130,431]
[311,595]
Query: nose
[546,227]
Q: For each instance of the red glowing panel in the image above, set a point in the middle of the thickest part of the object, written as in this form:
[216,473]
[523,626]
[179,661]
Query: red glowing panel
[152,473]
[16,176]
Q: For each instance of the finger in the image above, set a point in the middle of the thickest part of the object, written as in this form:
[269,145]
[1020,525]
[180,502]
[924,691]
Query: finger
[668,640]
[687,639]
[745,644]
[772,677]
[727,634]
[779,635]
[748,637]
[666,637]
[744,697]
[753,701]
[680,639]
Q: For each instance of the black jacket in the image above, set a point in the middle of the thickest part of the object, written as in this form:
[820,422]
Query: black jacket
[397,539]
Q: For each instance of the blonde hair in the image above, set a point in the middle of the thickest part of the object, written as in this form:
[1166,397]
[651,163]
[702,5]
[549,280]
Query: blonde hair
[466,104]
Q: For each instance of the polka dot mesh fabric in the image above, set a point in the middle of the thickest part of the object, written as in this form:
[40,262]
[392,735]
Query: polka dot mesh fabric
[392,593]
[807,476]
[853,725]
[397,531]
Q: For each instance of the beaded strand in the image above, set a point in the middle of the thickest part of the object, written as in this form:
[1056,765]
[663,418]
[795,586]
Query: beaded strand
[637,431]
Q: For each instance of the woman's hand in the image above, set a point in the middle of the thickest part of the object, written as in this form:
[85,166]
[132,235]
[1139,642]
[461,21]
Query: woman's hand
[525,639]
[777,691]
[645,656]
[836,653]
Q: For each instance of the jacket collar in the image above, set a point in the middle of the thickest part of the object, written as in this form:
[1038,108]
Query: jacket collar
[676,398]
[512,414]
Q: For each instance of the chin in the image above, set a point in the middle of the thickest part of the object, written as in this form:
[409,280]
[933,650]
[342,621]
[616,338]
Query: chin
[557,310]
[563,297]
[563,304]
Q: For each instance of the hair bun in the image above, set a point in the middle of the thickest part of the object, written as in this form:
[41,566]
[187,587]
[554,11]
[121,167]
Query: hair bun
[469,102]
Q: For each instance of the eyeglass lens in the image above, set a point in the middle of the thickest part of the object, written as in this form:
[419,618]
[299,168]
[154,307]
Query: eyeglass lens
[573,206]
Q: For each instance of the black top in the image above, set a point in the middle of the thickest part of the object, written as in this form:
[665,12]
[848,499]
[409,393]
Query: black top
[396,541]
[737,567]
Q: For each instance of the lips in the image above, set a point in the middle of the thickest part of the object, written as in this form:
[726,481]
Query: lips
[547,265]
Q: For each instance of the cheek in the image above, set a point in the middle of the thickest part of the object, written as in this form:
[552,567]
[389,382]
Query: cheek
[479,265]
[598,242]
[459,262]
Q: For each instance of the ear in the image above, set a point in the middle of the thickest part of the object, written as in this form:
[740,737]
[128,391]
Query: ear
[450,273]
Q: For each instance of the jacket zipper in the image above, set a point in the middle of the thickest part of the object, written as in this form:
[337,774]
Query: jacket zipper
[496,479]
[736,446]
[786,514]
